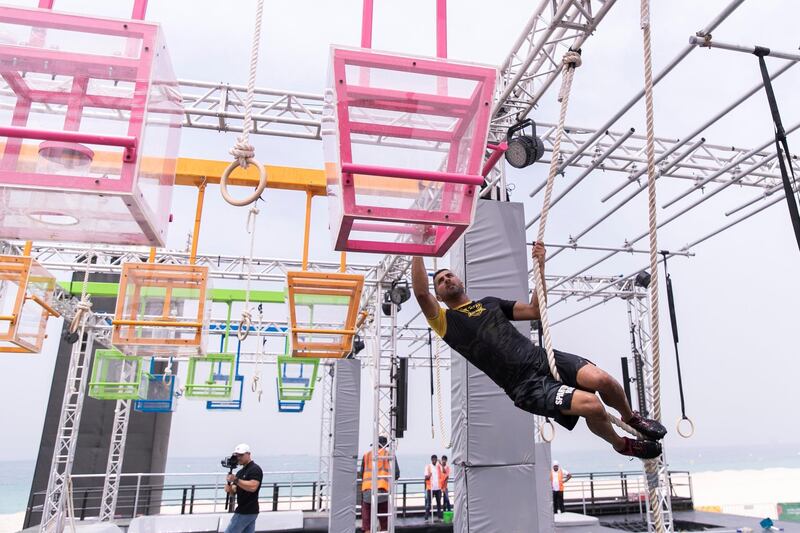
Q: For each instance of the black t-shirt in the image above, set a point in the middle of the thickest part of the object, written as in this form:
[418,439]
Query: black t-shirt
[481,331]
[247,502]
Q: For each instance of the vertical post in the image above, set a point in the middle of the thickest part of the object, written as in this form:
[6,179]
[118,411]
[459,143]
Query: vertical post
[152,257]
[67,433]
[307,232]
[384,372]
[343,262]
[366,24]
[325,437]
[198,215]
[139,9]
[26,251]
[655,475]
[441,28]
[46,4]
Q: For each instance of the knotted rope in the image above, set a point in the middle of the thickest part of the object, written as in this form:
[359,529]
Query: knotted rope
[242,151]
[652,466]
[571,61]
[247,318]
[446,441]
[84,306]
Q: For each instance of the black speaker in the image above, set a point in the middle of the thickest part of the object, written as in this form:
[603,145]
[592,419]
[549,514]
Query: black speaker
[401,414]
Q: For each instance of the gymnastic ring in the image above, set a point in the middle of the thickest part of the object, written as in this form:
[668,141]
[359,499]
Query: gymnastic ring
[168,378]
[254,383]
[262,184]
[678,426]
[542,432]
[244,328]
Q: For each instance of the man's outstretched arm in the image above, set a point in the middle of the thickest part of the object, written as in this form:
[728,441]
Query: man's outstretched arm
[530,311]
[419,282]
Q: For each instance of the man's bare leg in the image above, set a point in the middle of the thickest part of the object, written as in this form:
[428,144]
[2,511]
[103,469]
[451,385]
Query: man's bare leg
[595,379]
[589,407]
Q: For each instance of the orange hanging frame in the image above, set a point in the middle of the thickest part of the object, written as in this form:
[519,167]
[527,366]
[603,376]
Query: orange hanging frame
[323,308]
[161,309]
[27,291]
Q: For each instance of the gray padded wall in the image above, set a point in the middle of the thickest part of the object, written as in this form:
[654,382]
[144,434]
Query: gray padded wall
[493,441]
[346,408]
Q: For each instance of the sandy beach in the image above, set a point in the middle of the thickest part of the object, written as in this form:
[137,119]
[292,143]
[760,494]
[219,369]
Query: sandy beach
[11,522]
[747,492]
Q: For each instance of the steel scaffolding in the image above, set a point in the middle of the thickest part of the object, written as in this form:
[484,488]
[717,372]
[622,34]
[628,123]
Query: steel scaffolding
[326,434]
[58,485]
[116,452]
[638,307]
[384,403]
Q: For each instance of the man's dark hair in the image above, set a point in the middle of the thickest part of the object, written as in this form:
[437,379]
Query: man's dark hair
[444,458]
[439,272]
[382,441]
[434,457]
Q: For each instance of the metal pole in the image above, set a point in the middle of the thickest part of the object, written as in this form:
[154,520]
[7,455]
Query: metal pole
[706,42]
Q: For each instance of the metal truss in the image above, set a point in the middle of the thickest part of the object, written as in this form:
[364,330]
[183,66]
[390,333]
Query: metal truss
[691,159]
[116,453]
[220,107]
[58,484]
[326,435]
[656,470]
[384,395]
[534,62]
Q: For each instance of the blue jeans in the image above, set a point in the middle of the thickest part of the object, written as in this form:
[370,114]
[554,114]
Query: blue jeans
[242,523]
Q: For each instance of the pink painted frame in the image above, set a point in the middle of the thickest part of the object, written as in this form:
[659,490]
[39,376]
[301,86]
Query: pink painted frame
[449,225]
[142,40]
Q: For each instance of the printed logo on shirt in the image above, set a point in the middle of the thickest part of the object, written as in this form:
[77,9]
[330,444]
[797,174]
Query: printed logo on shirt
[472,309]
[563,390]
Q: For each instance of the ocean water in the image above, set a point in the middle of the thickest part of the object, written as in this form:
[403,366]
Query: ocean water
[15,476]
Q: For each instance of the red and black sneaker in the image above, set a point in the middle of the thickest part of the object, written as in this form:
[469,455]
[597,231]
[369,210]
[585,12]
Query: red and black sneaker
[648,427]
[643,449]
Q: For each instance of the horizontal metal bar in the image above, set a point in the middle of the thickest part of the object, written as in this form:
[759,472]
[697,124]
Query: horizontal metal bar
[604,248]
[707,42]
[407,173]
[18,132]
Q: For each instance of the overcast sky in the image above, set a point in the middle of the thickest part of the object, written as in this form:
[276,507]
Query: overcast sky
[736,299]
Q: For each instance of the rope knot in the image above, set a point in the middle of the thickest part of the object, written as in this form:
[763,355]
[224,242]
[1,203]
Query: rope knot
[243,151]
[244,325]
[572,59]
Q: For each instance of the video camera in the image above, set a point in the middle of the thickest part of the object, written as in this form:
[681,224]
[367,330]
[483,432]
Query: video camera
[230,462]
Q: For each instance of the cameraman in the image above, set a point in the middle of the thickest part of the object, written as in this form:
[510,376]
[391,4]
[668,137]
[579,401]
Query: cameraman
[245,484]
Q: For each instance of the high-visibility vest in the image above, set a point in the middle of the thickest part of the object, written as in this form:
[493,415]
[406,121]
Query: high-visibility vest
[560,479]
[383,472]
[444,475]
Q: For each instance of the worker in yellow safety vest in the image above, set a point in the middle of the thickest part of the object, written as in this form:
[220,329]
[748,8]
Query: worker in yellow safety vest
[384,474]
[558,476]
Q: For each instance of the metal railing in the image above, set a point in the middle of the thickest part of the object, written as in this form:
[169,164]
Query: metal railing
[139,494]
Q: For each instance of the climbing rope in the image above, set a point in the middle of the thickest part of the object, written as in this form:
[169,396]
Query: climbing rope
[247,318]
[257,385]
[446,441]
[571,61]
[84,306]
[651,466]
[242,151]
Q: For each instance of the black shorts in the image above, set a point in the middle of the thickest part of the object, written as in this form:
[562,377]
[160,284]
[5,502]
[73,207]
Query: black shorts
[542,395]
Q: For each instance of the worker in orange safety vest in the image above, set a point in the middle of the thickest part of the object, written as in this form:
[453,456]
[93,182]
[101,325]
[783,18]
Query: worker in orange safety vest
[558,476]
[382,483]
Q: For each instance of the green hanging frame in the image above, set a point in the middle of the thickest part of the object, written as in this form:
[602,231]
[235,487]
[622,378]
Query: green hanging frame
[115,376]
[210,376]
